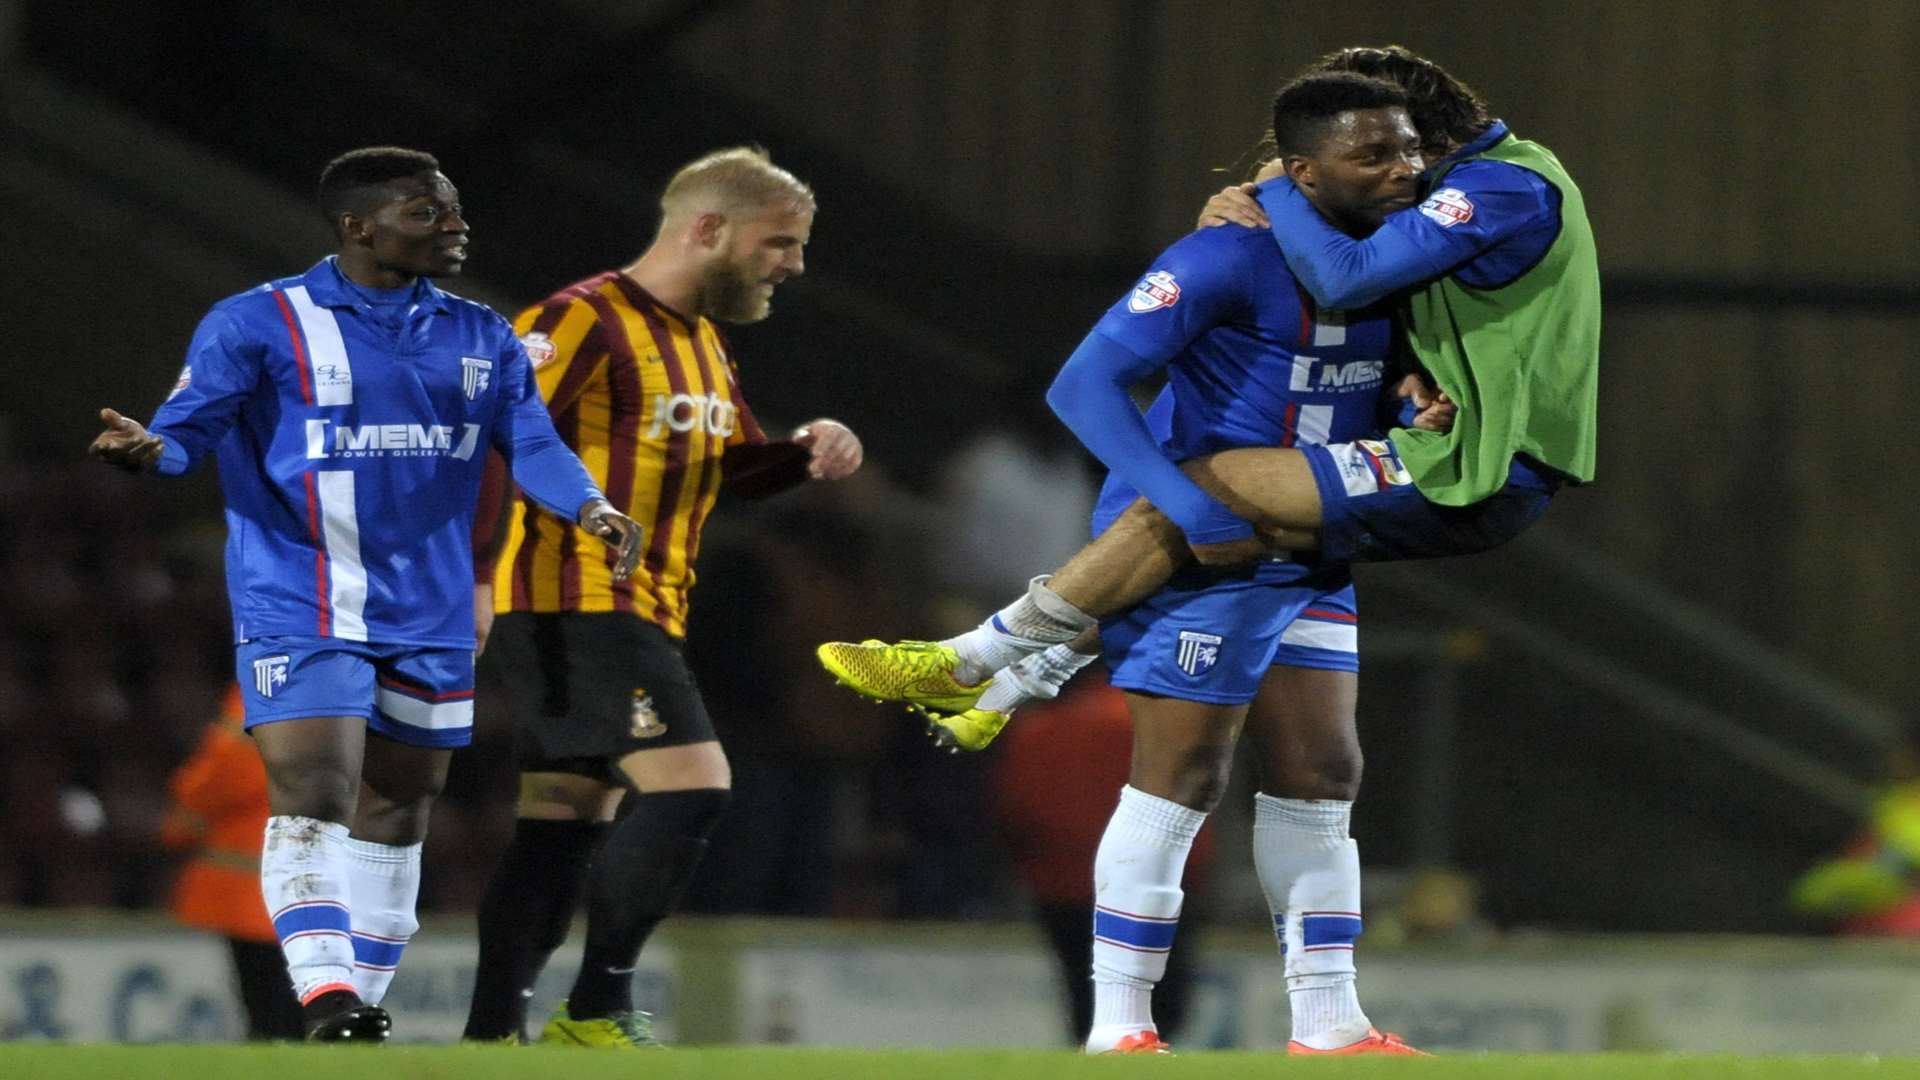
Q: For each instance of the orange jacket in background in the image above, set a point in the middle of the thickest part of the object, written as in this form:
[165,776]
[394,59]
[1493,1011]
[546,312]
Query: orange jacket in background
[1062,765]
[220,812]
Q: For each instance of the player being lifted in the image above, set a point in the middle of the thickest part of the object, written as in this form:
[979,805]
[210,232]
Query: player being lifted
[350,410]
[1509,329]
[1499,294]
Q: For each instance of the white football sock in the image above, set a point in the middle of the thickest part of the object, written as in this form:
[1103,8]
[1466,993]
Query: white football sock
[1310,872]
[1136,898]
[386,888]
[1038,677]
[1022,628]
[304,879]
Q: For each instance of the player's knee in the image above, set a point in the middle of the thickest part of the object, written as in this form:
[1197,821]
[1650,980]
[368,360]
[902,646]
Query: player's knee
[322,790]
[1327,773]
[1196,778]
[384,820]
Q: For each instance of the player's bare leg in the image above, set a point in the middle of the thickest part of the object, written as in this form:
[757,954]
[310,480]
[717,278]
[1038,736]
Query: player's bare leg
[313,781]
[1307,747]
[398,785]
[948,680]
[1273,488]
[1181,754]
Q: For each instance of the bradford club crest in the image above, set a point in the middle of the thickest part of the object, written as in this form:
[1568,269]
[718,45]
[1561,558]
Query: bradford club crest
[1198,652]
[475,375]
[646,721]
[269,674]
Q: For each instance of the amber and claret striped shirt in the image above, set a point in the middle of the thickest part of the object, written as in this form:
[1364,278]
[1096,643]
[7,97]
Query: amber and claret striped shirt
[651,402]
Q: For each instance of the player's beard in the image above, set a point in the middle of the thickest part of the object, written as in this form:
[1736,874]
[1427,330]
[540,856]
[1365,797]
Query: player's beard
[730,294]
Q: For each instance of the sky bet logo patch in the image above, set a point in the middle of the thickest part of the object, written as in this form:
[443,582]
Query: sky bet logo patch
[1155,291]
[1448,206]
[540,349]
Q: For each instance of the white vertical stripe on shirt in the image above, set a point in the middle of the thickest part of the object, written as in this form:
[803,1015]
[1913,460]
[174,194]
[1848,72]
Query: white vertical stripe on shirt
[332,374]
[1314,425]
[346,574]
[1330,328]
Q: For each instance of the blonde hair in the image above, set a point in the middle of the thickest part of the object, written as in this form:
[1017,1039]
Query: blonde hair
[733,181]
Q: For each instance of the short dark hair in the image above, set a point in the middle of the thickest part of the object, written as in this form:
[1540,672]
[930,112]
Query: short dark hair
[1305,108]
[1442,107]
[348,180]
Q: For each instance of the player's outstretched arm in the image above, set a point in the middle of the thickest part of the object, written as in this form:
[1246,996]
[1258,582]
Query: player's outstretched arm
[621,533]
[126,443]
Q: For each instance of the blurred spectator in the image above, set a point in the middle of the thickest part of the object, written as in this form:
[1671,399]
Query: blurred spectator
[1060,772]
[998,495]
[777,579]
[218,817]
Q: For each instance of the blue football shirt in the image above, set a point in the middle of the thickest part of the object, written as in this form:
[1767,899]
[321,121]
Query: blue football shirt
[350,434]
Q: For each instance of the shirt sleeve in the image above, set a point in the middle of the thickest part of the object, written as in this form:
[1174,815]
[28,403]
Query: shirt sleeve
[1192,287]
[545,468]
[567,346]
[222,370]
[1477,206]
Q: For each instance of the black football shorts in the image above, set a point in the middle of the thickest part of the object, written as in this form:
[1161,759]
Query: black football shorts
[585,689]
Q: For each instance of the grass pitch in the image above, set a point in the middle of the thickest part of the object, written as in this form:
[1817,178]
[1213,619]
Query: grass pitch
[44,1062]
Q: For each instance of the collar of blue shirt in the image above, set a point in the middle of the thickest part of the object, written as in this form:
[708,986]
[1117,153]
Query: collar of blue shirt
[329,288]
[1493,134]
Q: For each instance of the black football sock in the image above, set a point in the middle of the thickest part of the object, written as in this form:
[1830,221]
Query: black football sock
[636,879]
[524,917]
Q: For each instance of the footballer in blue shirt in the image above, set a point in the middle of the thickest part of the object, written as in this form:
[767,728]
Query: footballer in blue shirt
[1271,648]
[350,410]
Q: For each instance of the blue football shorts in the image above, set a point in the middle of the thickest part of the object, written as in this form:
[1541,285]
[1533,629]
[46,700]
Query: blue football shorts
[1371,512]
[412,694]
[1212,639]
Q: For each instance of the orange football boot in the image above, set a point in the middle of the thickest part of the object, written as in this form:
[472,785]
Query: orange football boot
[1145,1042]
[1376,1042]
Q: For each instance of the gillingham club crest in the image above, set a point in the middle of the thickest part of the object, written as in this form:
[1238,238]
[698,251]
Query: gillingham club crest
[269,674]
[475,374]
[1197,652]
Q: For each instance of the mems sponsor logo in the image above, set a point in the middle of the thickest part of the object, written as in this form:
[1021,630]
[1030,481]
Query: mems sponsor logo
[326,439]
[1313,373]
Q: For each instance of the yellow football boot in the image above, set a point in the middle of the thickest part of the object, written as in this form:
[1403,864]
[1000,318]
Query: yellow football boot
[916,673]
[970,730]
[622,1031]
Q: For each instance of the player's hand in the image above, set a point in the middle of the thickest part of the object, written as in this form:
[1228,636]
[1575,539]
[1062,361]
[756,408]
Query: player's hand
[126,443]
[1234,205]
[482,617]
[833,450]
[621,533]
[1434,410]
